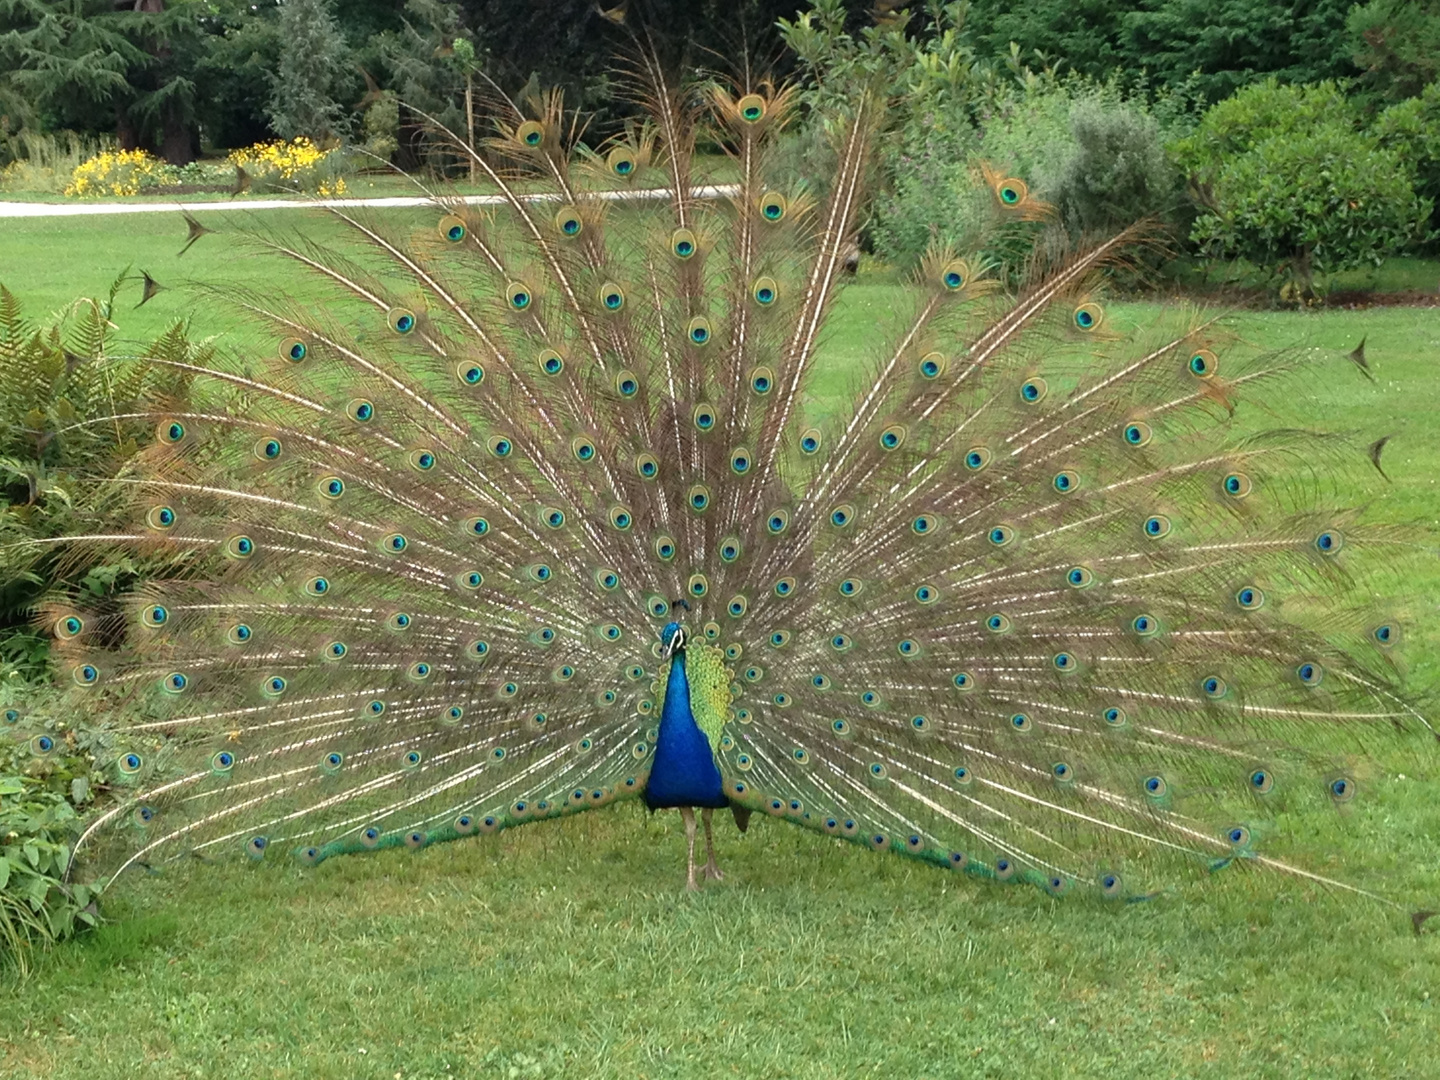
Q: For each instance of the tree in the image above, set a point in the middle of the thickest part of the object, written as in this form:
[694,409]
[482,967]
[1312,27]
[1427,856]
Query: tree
[314,69]
[84,64]
[1397,45]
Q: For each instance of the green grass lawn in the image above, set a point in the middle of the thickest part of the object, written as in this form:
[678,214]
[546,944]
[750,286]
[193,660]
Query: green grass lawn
[569,948]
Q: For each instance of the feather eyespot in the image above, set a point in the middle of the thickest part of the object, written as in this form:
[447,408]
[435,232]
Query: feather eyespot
[451,228]
[612,296]
[647,465]
[933,365]
[1011,192]
[1249,598]
[568,221]
[893,437]
[954,275]
[1033,391]
[683,244]
[1137,433]
[622,162]
[751,108]
[1236,485]
[1088,316]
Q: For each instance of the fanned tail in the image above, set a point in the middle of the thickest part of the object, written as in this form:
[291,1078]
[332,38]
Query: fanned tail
[1029,606]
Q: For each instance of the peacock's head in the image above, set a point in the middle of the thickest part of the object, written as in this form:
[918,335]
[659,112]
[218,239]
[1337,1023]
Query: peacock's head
[672,639]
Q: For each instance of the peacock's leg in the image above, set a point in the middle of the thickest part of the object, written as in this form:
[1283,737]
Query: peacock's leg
[712,869]
[687,815]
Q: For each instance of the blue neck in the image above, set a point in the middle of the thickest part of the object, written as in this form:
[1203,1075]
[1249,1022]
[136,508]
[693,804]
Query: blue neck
[683,772]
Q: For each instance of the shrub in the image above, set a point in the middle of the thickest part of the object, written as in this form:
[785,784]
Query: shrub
[117,173]
[1412,129]
[1285,179]
[1117,172]
[38,829]
[297,165]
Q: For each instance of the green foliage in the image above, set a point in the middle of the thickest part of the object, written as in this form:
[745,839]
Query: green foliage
[939,88]
[1397,45]
[1412,129]
[1288,182]
[40,162]
[1216,46]
[428,73]
[38,828]
[313,70]
[1118,172]
[64,388]
[242,55]
[382,127]
[78,61]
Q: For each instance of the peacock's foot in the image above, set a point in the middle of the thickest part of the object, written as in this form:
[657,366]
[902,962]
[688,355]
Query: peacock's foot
[712,872]
[691,885]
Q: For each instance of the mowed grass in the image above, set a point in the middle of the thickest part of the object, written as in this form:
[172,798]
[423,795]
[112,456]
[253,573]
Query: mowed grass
[569,948]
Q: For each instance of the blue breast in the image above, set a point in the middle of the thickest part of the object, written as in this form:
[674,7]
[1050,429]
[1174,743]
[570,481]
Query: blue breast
[683,772]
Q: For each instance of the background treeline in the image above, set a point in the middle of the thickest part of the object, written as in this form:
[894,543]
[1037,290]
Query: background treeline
[181,77]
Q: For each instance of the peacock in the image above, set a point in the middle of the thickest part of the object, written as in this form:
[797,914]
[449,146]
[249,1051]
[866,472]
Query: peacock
[549,505]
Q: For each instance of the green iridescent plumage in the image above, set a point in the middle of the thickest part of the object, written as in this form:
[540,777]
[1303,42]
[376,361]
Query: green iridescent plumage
[1027,605]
